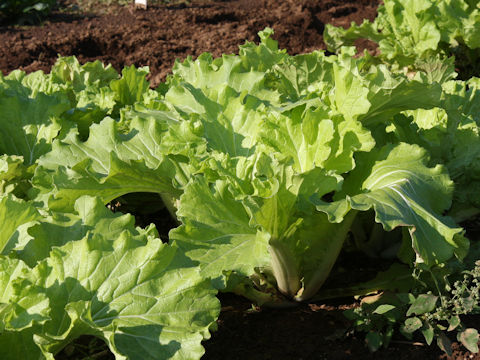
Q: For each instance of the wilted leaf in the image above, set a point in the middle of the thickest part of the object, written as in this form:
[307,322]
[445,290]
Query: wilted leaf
[469,338]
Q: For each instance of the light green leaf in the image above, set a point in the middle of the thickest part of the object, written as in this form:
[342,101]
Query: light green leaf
[428,333]
[230,121]
[384,308]
[412,324]
[206,72]
[305,136]
[37,240]
[350,137]
[109,165]
[67,70]
[350,96]
[424,303]
[24,308]
[144,298]
[314,137]
[301,72]
[132,87]
[173,306]
[26,305]
[391,181]
[390,94]
[454,322]
[336,37]
[409,30]
[29,125]
[13,213]
[216,231]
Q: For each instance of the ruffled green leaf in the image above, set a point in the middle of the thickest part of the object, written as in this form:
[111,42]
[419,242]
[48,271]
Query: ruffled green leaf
[109,165]
[23,308]
[216,232]
[14,213]
[403,191]
[107,279]
[29,125]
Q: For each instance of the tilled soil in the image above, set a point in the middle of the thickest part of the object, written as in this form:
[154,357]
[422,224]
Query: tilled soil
[161,34]
[155,38]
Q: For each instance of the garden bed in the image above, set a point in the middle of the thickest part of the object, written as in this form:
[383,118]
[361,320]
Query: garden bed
[125,35]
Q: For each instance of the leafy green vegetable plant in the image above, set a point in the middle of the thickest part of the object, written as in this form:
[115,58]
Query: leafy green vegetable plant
[91,272]
[268,158]
[268,162]
[419,34]
[85,270]
[305,166]
[429,40]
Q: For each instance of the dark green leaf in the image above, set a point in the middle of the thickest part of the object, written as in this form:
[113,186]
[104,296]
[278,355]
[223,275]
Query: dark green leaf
[444,343]
[428,333]
[374,340]
[388,336]
[350,314]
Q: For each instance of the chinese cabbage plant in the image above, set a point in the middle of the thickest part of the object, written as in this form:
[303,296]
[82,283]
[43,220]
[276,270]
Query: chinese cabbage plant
[261,153]
[419,35]
[266,160]
[85,271]
[91,272]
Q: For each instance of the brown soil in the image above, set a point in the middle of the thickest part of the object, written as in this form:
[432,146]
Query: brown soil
[308,332]
[156,37]
[161,34]
[311,331]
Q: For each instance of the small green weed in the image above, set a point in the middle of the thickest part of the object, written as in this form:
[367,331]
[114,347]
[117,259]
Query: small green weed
[431,315]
